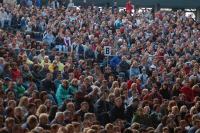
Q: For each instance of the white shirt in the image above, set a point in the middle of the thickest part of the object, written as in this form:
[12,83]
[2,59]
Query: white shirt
[3,15]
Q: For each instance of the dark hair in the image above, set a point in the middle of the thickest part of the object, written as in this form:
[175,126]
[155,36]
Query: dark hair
[9,110]
[52,112]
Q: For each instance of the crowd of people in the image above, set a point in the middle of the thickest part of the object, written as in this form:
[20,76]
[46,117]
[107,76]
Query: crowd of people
[55,78]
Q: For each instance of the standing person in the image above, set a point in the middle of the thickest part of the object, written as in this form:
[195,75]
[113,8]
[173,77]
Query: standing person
[55,4]
[129,7]
[3,16]
[115,7]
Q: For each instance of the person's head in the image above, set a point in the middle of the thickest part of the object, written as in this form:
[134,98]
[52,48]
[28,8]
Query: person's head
[12,103]
[118,102]
[144,92]
[62,130]
[68,116]
[196,123]
[43,119]
[32,121]
[31,108]
[165,130]
[109,128]
[124,85]
[156,107]
[140,111]
[77,127]
[171,104]
[59,117]
[54,128]
[111,78]
[70,128]
[48,103]
[178,130]
[18,112]
[49,76]
[90,117]
[134,87]
[147,110]
[183,109]
[41,109]
[9,112]
[71,106]
[9,122]
[11,85]
[65,83]
[84,106]
[117,92]
[23,101]
[43,96]
[182,123]
[87,81]
[115,84]
[74,82]
[175,110]
[111,97]
[193,110]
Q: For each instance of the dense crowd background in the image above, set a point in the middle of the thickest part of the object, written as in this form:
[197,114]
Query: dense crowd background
[55,77]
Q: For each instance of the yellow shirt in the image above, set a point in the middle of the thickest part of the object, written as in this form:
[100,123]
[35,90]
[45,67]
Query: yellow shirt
[60,67]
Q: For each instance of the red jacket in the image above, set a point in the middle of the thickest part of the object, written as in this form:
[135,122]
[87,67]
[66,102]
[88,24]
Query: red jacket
[188,92]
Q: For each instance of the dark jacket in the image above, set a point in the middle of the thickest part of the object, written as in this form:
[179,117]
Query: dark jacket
[117,113]
[123,66]
[101,110]
[144,120]
[47,85]
[130,110]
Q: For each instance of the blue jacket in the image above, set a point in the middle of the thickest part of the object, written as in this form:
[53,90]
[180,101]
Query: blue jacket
[49,38]
[114,62]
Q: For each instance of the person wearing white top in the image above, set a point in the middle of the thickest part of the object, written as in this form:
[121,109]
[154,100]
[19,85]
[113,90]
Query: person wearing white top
[3,15]
[10,1]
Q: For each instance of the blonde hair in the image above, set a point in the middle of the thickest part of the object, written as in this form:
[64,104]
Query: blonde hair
[43,118]
[41,109]
[23,101]
[114,85]
[70,128]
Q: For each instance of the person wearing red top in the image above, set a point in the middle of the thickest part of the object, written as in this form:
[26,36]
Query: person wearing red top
[153,94]
[129,7]
[187,91]
[15,72]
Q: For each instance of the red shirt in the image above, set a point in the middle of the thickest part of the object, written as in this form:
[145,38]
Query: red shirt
[15,74]
[188,92]
[129,7]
